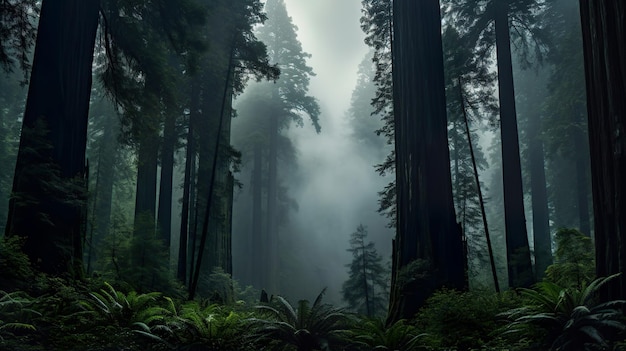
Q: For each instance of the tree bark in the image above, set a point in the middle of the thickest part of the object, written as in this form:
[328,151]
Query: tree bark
[604,46]
[539,194]
[518,251]
[58,96]
[187,185]
[164,216]
[426,227]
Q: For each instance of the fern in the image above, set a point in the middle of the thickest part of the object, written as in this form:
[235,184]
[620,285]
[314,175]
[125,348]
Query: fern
[570,316]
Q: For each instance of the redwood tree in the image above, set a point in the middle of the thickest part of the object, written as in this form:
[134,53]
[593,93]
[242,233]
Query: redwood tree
[604,42]
[429,242]
[51,156]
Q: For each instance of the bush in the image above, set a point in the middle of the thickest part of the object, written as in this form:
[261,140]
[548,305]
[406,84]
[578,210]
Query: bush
[463,320]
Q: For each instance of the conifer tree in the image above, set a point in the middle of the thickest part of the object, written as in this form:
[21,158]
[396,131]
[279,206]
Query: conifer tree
[365,291]
[284,102]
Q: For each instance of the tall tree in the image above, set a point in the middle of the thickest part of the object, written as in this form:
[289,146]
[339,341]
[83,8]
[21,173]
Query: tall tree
[567,146]
[604,42]
[482,21]
[289,102]
[426,228]
[56,114]
[469,94]
[236,56]
[366,287]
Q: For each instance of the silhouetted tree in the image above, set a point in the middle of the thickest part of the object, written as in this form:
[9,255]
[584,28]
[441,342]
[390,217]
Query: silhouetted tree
[365,290]
[56,114]
[426,226]
[604,40]
[482,21]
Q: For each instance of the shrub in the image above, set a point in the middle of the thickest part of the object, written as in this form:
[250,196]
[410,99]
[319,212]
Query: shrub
[463,320]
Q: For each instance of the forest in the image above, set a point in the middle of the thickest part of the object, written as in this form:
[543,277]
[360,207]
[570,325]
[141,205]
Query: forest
[319,175]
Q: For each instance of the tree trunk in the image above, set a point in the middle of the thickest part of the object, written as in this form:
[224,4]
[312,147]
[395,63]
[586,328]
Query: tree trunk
[541,224]
[187,185]
[604,43]
[427,234]
[103,194]
[145,201]
[164,218]
[518,251]
[58,97]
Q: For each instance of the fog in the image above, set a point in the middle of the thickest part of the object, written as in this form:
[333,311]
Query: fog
[334,185]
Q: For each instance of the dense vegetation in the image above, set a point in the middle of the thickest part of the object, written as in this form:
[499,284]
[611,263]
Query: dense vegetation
[117,118]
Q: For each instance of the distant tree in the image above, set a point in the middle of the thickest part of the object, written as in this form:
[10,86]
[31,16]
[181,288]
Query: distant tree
[365,291]
[426,223]
[469,95]
[363,121]
[376,23]
[12,100]
[286,101]
[236,56]
[604,36]
[566,128]
[18,29]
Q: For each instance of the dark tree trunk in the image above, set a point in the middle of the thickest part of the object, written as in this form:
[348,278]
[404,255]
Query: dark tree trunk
[518,251]
[427,233]
[145,201]
[187,186]
[58,97]
[164,217]
[541,224]
[103,194]
[604,42]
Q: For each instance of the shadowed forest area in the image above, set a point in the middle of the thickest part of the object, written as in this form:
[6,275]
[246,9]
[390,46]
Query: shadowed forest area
[312,175]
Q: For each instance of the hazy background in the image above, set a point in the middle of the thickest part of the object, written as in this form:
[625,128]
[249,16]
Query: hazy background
[335,187]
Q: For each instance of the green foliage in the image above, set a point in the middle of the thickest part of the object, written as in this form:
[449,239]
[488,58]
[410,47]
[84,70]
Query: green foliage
[136,259]
[373,334]
[15,314]
[210,328]
[574,263]
[219,287]
[463,320]
[15,268]
[366,289]
[124,310]
[305,327]
[570,318]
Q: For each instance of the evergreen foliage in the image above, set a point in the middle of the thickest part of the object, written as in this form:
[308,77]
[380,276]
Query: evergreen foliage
[18,30]
[366,289]
[463,320]
[574,262]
